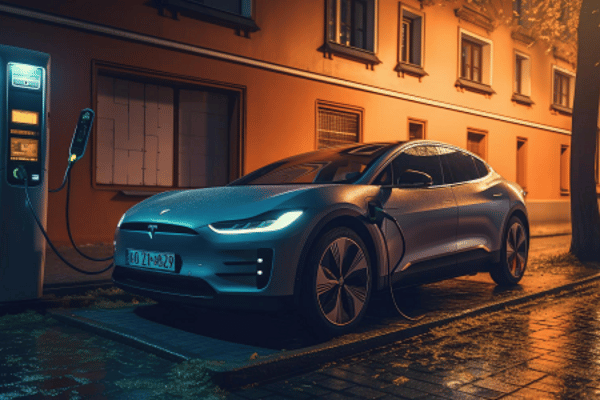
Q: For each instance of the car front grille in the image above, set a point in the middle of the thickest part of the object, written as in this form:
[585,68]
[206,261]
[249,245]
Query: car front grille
[162,228]
[163,282]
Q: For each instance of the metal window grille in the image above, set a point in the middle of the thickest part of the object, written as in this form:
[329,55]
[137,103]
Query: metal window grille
[337,127]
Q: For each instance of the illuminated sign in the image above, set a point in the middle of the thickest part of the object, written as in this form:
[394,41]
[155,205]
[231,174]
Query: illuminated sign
[23,149]
[25,117]
[26,76]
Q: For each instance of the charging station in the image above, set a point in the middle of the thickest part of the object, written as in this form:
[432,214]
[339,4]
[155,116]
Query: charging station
[23,147]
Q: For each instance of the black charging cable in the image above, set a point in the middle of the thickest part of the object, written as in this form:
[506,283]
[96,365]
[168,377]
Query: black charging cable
[65,178]
[22,174]
[391,271]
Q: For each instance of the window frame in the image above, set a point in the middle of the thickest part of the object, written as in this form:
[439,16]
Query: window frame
[342,108]
[522,79]
[486,47]
[411,47]
[118,71]
[243,22]
[416,121]
[333,44]
[521,162]
[564,166]
[483,142]
[569,77]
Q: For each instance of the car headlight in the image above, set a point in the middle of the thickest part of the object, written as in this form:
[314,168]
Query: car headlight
[263,223]
[121,220]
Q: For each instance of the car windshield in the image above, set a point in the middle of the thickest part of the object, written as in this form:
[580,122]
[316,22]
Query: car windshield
[332,165]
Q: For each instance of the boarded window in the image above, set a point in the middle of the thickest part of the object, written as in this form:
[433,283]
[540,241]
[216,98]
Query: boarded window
[139,144]
[337,127]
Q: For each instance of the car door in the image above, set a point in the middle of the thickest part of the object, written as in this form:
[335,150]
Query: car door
[427,215]
[481,200]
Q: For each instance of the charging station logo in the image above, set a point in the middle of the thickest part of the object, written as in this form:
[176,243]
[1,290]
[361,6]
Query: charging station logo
[151,230]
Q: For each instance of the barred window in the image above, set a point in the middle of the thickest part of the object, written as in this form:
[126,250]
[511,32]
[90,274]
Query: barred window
[337,127]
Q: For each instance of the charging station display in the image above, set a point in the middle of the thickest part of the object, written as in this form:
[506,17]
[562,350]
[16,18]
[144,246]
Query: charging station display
[25,105]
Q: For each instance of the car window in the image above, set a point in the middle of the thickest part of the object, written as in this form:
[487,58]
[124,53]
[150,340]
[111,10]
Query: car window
[419,158]
[385,177]
[344,164]
[481,167]
[458,166]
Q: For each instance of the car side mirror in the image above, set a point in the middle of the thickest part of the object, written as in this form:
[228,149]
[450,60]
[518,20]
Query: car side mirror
[412,178]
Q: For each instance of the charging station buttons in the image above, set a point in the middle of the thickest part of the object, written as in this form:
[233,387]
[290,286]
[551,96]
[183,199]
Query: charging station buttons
[35,177]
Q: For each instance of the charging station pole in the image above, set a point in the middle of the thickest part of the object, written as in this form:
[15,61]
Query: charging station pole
[23,144]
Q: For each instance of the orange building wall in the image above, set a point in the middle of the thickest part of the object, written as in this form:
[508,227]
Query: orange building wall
[280,109]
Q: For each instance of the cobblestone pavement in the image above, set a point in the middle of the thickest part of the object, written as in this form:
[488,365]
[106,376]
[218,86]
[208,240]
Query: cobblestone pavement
[549,349]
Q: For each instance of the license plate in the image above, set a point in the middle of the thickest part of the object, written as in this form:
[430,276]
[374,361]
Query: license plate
[151,259]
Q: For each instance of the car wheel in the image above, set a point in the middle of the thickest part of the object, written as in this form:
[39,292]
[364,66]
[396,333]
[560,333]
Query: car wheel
[513,257]
[337,283]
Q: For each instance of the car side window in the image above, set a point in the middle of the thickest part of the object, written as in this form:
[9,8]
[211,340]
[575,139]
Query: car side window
[419,158]
[481,167]
[385,177]
[458,166]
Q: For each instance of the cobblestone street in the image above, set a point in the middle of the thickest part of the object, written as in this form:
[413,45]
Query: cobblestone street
[549,349]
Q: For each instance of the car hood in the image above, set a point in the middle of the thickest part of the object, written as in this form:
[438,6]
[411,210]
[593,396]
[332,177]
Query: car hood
[198,207]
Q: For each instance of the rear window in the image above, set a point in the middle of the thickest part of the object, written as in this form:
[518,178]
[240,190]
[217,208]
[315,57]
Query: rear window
[458,166]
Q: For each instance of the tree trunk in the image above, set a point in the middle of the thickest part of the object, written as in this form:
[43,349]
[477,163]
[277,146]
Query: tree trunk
[585,217]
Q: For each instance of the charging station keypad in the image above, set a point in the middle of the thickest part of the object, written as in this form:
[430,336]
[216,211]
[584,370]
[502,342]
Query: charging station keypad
[25,122]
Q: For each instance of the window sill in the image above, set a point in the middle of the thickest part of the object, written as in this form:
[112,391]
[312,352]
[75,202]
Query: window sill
[353,53]
[207,14]
[410,69]
[562,109]
[522,99]
[474,86]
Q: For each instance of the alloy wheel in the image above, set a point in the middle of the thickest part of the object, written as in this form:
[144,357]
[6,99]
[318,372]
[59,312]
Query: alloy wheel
[516,250]
[343,281]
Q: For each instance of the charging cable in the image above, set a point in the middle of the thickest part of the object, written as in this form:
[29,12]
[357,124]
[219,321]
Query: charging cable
[22,174]
[392,271]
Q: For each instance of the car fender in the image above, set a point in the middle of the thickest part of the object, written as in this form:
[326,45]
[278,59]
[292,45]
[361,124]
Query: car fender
[358,216]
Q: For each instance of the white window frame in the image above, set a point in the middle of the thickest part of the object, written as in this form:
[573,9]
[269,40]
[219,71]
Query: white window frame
[418,24]
[487,55]
[571,75]
[525,74]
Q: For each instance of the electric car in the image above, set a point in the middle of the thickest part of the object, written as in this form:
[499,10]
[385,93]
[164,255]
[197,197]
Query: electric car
[322,231]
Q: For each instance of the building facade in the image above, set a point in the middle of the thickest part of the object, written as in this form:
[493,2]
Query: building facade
[192,94]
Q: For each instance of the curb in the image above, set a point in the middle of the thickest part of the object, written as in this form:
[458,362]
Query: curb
[307,359]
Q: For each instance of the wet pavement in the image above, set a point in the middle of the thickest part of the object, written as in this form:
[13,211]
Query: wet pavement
[42,358]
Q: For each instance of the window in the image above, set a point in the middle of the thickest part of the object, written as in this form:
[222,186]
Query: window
[475,61]
[521,11]
[411,42]
[564,169]
[598,157]
[351,29]
[419,158]
[477,143]
[471,60]
[522,162]
[236,14]
[337,126]
[522,82]
[160,135]
[416,129]
[562,90]
[458,166]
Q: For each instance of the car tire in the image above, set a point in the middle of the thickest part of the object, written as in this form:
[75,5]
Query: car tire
[337,283]
[513,256]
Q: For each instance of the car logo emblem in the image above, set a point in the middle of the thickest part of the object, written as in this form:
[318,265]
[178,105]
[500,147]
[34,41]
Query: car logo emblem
[166,210]
[151,230]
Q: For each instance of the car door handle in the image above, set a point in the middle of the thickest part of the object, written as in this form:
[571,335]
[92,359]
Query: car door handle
[497,195]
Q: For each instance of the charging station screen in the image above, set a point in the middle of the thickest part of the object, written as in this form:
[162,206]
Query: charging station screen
[25,117]
[23,149]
